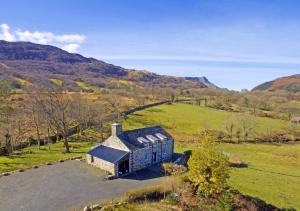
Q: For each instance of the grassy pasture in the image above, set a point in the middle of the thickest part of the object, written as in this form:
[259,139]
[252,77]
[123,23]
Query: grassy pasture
[32,156]
[185,121]
[273,172]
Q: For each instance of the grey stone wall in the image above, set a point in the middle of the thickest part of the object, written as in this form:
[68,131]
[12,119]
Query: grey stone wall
[142,158]
[107,166]
[116,143]
[167,150]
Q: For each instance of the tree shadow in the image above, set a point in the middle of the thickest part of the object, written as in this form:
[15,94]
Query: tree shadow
[239,165]
[155,110]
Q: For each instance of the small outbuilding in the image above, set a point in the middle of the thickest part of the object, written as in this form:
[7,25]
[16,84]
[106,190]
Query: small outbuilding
[125,152]
[295,120]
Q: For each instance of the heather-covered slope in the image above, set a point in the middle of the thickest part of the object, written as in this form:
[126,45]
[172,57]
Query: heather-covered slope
[27,63]
[290,83]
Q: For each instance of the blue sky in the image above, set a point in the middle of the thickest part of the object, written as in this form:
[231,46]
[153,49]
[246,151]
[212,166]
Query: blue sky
[235,43]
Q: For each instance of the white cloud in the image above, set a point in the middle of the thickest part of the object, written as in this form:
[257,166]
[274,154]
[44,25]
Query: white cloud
[5,33]
[72,48]
[49,37]
[68,42]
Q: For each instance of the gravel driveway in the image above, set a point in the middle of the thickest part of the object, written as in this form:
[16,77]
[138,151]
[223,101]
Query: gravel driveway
[65,186]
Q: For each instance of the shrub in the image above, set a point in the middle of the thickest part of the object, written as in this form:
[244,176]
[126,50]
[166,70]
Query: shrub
[224,202]
[172,198]
[172,169]
[236,162]
[208,169]
[275,137]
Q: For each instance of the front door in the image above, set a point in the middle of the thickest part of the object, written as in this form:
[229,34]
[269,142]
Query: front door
[154,157]
[124,167]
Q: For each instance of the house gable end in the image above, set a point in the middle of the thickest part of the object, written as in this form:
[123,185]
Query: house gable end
[115,142]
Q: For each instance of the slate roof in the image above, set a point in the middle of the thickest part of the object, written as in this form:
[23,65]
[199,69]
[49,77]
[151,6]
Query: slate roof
[109,154]
[130,137]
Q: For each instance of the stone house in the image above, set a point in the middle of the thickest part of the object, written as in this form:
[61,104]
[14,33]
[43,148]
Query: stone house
[128,151]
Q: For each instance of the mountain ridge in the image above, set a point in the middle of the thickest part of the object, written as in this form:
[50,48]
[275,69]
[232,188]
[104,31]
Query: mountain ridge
[38,64]
[203,80]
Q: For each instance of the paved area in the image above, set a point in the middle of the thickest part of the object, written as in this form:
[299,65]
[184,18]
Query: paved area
[66,186]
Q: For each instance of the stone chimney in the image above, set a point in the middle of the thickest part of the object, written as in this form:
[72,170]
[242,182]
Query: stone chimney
[116,129]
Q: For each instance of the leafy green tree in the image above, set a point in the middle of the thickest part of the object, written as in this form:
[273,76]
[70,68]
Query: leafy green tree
[208,168]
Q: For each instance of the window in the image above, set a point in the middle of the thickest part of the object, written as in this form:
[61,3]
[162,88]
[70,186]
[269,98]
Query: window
[92,159]
[152,138]
[161,136]
[143,141]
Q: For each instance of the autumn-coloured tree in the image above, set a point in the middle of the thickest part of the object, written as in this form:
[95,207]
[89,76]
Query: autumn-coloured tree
[208,168]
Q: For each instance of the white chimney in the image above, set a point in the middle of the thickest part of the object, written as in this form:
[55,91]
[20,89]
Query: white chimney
[116,129]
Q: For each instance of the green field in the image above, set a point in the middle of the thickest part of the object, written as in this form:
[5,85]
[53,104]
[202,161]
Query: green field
[185,121]
[32,156]
[273,172]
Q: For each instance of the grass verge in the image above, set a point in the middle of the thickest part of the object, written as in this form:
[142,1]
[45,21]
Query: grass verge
[32,156]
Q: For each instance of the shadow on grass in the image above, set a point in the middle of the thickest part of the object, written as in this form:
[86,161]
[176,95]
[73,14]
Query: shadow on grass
[239,165]
[155,110]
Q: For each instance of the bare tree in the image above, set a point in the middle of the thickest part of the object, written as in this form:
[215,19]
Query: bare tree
[114,105]
[56,107]
[246,123]
[14,127]
[229,127]
[37,116]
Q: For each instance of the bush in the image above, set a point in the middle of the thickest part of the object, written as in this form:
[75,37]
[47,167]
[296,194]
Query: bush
[172,198]
[275,137]
[236,162]
[224,202]
[208,169]
[172,169]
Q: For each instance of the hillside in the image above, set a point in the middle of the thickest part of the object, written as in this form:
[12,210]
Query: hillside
[289,83]
[26,63]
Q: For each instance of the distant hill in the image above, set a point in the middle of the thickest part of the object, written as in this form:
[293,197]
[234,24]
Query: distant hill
[289,83]
[203,80]
[26,63]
